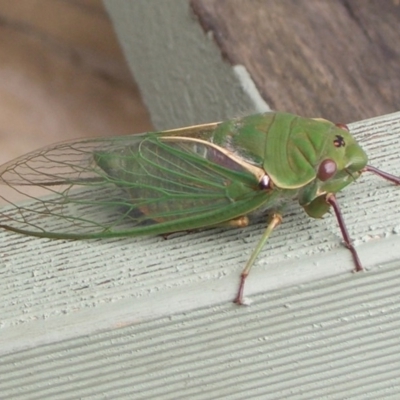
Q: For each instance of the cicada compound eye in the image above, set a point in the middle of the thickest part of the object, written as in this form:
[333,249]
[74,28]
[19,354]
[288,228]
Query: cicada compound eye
[326,170]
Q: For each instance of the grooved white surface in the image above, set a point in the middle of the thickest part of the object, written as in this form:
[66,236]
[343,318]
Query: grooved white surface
[152,318]
[334,339]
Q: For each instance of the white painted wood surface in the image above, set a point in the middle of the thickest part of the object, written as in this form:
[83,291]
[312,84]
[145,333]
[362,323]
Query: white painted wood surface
[152,318]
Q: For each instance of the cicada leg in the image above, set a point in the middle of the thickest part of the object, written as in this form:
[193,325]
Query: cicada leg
[331,199]
[276,219]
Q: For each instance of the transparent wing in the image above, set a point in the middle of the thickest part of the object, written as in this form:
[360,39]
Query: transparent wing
[132,185]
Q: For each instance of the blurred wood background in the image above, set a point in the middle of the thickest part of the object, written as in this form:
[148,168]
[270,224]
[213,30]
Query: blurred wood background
[336,59]
[62,76]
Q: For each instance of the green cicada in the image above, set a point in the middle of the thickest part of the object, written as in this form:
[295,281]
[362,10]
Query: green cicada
[212,175]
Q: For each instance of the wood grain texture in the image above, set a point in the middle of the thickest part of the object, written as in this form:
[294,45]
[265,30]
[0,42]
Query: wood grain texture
[335,59]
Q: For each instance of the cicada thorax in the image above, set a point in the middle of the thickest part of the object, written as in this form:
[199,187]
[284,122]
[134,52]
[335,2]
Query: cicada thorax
[285,146]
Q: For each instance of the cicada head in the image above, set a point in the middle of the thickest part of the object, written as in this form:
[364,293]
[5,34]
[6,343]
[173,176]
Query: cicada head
[341,162]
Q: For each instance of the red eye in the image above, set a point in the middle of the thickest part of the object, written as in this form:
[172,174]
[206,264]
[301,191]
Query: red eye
[343,126]
[326,170]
